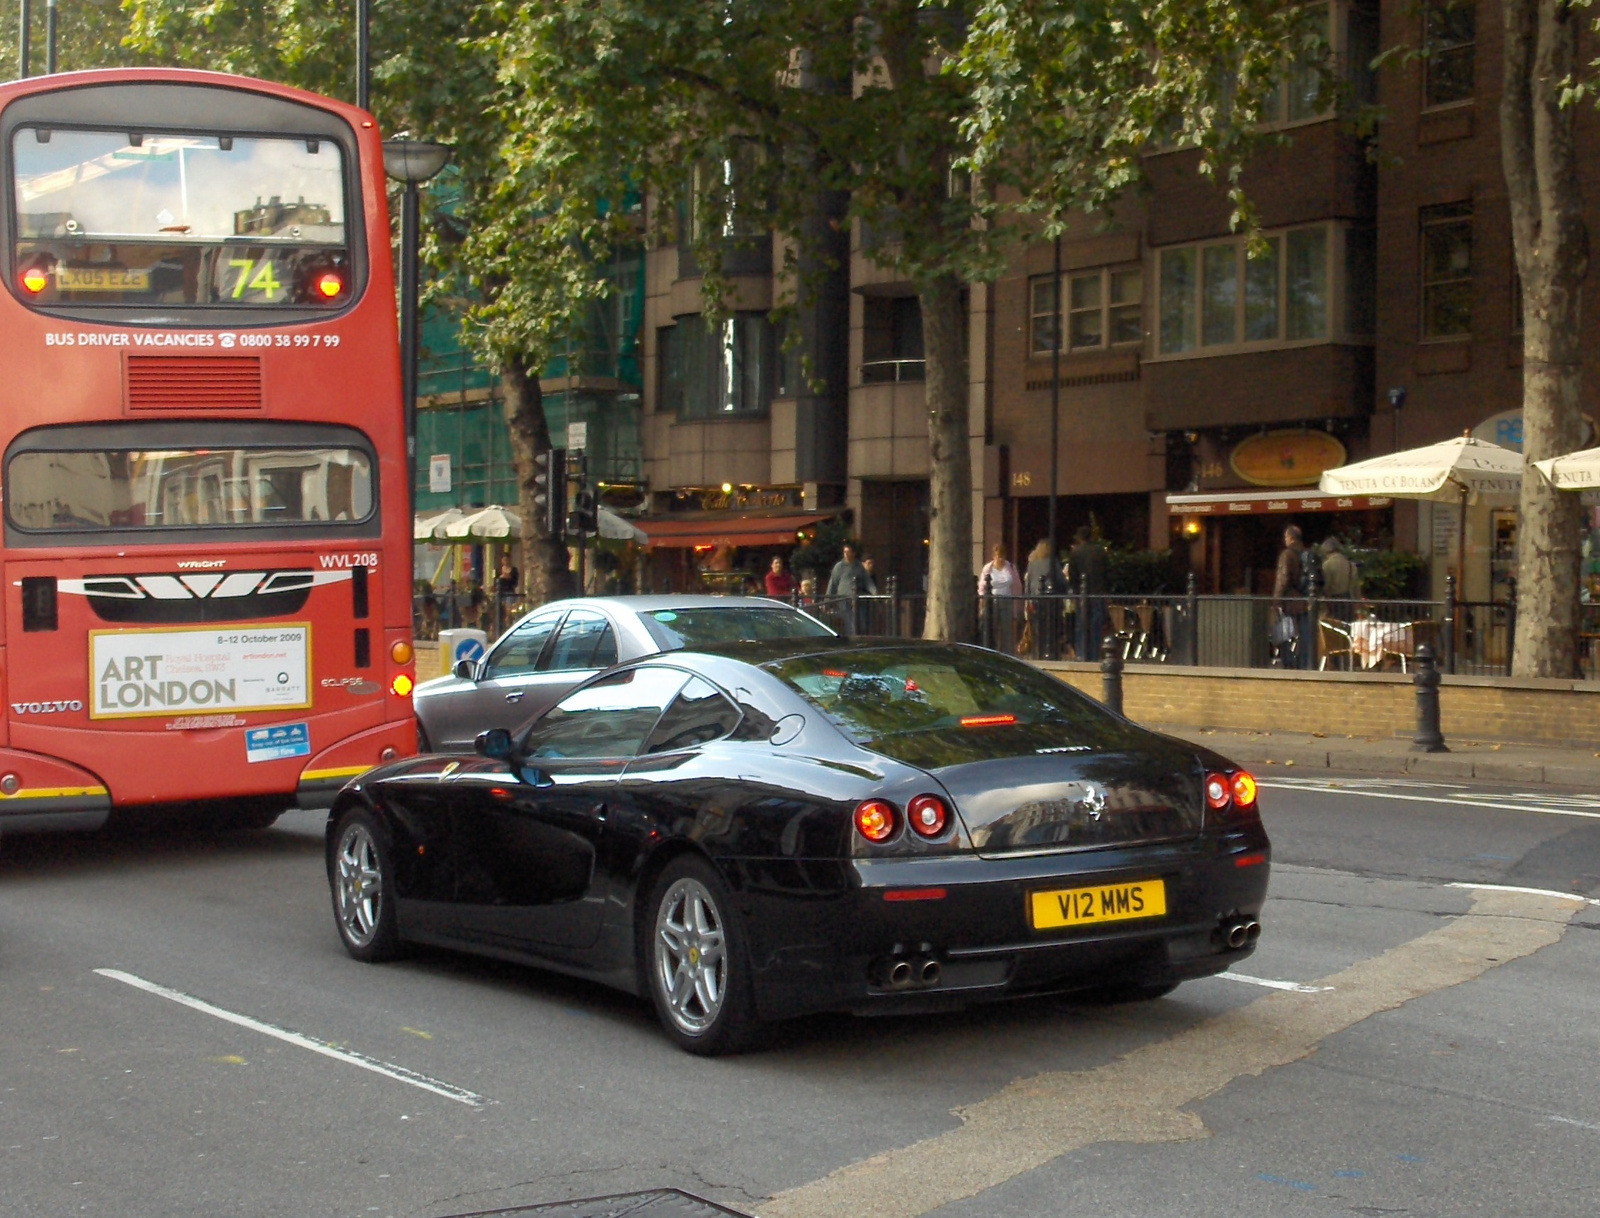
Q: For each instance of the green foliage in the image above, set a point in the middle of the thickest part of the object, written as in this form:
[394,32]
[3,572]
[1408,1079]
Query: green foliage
[1391,574]
[824,548]
[1139,572]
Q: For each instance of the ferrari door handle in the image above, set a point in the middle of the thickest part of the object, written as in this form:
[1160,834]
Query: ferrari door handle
[514,696]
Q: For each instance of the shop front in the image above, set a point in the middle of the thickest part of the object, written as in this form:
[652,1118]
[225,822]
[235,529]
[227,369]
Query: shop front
[723,539]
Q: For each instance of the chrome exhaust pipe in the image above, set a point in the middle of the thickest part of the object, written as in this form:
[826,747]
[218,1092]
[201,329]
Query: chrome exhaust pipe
[1252,931]
[930,972]
[899,974]
[1237,936]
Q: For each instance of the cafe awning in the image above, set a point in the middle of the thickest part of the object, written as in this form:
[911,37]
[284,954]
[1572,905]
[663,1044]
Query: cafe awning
[686,529]
[1256,503]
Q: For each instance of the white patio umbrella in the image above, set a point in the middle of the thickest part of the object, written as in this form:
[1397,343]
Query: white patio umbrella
[1579,471]
[618,528]
[493,523]
[427,526]
[1462,471]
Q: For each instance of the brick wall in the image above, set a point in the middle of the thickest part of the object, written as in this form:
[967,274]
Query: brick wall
[1344,704]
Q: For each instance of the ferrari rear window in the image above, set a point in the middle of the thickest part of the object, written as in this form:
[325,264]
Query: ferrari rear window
[942,706]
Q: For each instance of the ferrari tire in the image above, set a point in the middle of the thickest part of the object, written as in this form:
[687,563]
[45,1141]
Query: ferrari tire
[361,877]
[695,961]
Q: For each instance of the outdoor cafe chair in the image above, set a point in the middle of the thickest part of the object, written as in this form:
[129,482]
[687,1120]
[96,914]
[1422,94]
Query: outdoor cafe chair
[1334,641]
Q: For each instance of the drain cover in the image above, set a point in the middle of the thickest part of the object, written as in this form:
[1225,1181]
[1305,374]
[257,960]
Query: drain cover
[657,1203]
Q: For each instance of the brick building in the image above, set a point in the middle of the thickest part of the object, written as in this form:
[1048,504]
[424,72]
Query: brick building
[1204,383]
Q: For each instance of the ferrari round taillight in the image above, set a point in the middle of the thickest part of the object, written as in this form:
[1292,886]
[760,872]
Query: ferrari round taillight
[875,820]
[1244,790]
[1218,792]
[927,816]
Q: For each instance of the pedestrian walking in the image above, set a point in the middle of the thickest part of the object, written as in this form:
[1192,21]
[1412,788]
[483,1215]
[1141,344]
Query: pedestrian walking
[848,581]
[1042,630]
[1290,619]
[1341,582]
[999,585]
[1086,574]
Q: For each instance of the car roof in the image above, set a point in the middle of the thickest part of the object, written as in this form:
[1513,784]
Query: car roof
[659,601]
[768,651]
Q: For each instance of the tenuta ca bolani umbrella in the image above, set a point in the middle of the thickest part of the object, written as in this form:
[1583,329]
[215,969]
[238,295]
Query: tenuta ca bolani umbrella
[1459,471]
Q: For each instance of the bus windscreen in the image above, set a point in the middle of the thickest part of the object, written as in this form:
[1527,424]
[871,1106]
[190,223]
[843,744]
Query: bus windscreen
[82,491]
[130,218]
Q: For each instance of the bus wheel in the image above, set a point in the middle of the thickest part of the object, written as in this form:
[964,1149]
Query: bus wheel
[362,878]
[251,816]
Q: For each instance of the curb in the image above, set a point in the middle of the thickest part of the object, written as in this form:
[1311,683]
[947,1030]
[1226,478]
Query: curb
[1422,765]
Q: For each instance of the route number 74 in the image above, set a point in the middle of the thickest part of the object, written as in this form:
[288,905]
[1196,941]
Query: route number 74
[263,280]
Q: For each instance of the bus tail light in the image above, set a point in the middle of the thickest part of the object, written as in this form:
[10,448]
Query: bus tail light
[35,279]
[402,685]
[330,285]
[401,652]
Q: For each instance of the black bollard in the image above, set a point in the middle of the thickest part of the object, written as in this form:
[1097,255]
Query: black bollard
[1111,674]
[986,609]
[1191,607]
[1429,739]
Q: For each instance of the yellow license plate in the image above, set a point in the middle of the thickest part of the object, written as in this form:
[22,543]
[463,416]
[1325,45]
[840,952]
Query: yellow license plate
[101,279]
[1107,903]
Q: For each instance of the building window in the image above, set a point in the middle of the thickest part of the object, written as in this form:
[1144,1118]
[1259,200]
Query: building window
[724,371]
[1225,294]
[891,340]
[1105,308]
[1299,94]
[1447,270]
[1449,37]
[723,200]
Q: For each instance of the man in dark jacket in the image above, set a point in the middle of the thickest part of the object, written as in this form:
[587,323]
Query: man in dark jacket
[1086,574]
[1290,622]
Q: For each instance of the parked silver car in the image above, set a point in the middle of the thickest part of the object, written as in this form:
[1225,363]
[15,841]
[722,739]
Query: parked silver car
[533,664]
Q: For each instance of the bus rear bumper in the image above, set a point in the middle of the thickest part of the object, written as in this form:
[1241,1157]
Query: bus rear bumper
[42,794]
[330,769]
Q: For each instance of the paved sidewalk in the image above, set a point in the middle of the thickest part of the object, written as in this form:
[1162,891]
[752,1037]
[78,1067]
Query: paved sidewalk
[1519,763]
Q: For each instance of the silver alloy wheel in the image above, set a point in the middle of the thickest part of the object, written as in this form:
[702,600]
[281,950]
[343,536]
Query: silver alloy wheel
[359,885]
[691,957]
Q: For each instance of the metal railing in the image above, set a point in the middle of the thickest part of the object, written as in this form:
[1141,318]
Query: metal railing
[453,608]
[893,371]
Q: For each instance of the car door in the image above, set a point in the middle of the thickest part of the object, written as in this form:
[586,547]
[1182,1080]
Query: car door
[585,644]
[498,689]
[528,844]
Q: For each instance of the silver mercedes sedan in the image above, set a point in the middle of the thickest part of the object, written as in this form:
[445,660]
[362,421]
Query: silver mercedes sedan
[557,646]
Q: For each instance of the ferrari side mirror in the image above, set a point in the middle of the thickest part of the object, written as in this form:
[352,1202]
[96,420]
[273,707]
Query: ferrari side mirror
[495,743]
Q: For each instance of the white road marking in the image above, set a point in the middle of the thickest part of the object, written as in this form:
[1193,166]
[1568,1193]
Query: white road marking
[398,1073]
[1591,812]
[1536,892]
[1569,1121]
[1292,987]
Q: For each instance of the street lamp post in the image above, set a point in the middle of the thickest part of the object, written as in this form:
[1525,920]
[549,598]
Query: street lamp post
[364,54]
[51,24]
[24,29]
[1055,417]
[411,162]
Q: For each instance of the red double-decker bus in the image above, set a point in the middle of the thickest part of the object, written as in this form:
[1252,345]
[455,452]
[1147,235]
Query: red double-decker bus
[206,495]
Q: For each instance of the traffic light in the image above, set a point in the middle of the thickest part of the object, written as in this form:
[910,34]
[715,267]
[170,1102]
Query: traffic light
[550,482]
[582,518]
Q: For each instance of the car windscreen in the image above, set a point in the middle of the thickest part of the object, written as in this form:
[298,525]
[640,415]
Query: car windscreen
[119,218]
[703,626]
[939,706]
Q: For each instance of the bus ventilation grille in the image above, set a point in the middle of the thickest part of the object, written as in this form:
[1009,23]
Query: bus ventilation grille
[186,383]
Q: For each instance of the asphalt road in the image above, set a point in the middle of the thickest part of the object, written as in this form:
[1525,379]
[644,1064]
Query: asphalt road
[183,1035]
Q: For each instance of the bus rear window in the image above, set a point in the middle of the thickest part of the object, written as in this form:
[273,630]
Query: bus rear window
[176,488]
[142,218]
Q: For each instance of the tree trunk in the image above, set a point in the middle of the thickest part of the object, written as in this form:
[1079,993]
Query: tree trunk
[1552,251]
[547,574]
[950,588]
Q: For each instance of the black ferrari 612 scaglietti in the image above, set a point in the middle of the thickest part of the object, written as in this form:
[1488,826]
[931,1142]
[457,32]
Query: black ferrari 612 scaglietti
[767,829]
